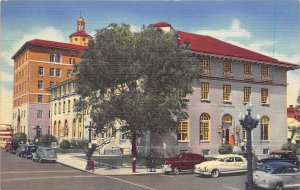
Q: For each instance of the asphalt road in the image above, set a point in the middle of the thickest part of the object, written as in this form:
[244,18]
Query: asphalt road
[19,173]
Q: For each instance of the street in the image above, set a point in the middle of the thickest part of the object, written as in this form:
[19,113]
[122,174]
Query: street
[19,173]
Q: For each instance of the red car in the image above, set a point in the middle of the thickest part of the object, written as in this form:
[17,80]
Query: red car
[185,161]
[7,147]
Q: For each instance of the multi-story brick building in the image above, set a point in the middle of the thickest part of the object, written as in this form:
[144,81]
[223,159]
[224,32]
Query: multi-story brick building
[231,76]
[38,64]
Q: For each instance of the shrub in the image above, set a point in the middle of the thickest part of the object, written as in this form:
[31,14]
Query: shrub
[45,140]
[65,144]
[20,137]
[291,146]
[225,149]
[78,143]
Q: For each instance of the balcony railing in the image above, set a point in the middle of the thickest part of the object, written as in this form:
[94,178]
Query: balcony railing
[266,78]
[248,76]
[227,74]
[205,71]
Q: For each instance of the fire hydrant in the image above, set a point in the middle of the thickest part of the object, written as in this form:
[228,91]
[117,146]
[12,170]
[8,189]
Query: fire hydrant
[92,165]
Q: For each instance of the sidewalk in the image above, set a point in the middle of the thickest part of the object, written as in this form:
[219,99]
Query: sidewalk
[73,161]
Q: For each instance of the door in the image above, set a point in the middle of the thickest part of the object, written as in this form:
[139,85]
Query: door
[226,136]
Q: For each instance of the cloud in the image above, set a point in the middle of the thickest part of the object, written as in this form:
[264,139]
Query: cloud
[233,31]
[5,77]
[48,33]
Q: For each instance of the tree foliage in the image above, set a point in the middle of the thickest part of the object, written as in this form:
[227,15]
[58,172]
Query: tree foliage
[138,79]
[20,137]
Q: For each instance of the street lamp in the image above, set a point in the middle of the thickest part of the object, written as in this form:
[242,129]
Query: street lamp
[248,123]
[38,130]
[89,150]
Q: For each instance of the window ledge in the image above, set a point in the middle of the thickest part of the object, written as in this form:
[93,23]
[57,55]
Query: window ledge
[204,141]
[205,101]
[227,102]
[265,105]
[265,141]
[183,141]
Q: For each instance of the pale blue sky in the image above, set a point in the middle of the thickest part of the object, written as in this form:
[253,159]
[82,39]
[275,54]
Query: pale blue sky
[265,26]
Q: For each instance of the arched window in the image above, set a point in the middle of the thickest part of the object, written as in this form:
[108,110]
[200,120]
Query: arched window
[204,126]
[265,125]
[74,128]
[183,128]
[66,129]
[58,130]
[227,119]
[55,129]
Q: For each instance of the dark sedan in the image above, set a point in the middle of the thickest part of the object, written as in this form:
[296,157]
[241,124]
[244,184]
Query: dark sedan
[281,156]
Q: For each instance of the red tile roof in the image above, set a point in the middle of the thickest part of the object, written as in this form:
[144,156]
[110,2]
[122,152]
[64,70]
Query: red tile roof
[81,33]
[162,24]
[47,43]
[210,45]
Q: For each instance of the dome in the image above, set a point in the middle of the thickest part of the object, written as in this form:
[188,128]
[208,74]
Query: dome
[80,19]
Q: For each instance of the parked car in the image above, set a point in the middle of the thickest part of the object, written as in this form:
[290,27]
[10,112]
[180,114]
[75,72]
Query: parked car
[185,161]
[277,175]
[226,163]
[13,147]
[21,149]
[281,156]
[44,154]
[7,146]
[29,150]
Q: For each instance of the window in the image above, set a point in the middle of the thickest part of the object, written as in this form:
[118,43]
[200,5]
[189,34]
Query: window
[70,60]
[52,72]
[76,39]
[265,151]
[74,104]
[58,58]
[183,127]
[238,159]
[248,71]
[40,84]
[206,151]
[55,108]
[41,71]
[205,66]
[40,98]
[264,96]
[227,69]
[244,134]
[83,39]
[64,107]
[69,73]
[52,57]
[59,107]
[58,72]
[74,61]
[265,124]
[204,126]
[226,93]
[265,75]
[39,113]
[247,94]
[69,105]
[204,91]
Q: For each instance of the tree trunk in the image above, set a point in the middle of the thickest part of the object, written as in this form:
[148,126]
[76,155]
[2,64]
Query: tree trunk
[133,151]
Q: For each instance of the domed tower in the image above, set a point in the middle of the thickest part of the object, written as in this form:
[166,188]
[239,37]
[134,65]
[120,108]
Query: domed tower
[80,37]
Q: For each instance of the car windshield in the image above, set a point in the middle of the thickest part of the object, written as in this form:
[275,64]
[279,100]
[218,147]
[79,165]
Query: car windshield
[264,168]
[49,150]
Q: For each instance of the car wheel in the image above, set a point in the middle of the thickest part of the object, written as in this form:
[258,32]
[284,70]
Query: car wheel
[215,173]
[176,171]
[278,186]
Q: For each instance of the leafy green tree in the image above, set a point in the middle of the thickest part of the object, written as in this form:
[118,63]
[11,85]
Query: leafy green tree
[225,149]
[137,79]
[45,140]
[20,137]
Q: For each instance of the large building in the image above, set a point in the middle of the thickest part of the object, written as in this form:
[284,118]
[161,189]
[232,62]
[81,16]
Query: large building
[39,64]
[230,77]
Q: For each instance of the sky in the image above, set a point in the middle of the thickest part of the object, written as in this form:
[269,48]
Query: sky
[271,27]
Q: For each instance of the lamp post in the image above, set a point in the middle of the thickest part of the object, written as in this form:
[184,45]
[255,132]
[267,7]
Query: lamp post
[248,122]
[38,130]
[89,150]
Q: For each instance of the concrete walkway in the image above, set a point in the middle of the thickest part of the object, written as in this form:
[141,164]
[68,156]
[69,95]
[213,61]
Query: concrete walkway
[73,161]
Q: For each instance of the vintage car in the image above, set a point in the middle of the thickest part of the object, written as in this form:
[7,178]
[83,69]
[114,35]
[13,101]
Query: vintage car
[21,149]
[226,163]
[27,153]
[277,175]
[185,161]
[12,147]
[7,146]
[44,154]
[281,156]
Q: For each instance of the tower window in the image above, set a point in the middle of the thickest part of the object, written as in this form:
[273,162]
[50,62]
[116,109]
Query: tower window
[83,39]
[76,39]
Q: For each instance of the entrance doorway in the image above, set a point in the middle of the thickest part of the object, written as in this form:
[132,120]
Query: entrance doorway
[226,124]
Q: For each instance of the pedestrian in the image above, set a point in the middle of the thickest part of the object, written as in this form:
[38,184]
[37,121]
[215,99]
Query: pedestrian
[92,165]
